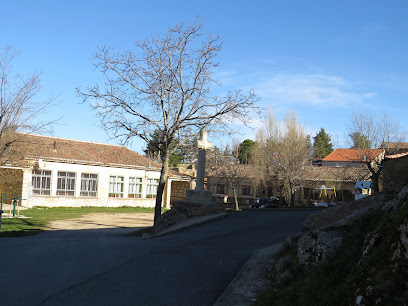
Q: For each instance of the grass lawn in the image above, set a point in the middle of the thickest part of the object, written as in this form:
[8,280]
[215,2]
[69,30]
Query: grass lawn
[39,217]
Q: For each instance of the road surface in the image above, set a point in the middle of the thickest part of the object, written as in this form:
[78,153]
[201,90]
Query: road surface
[99,267]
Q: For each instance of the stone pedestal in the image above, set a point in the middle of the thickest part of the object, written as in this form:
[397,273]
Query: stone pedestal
[199,195]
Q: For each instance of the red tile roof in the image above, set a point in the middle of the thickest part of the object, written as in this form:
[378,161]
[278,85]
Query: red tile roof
[81,152]
[396,155]
[309,173]
[353,155]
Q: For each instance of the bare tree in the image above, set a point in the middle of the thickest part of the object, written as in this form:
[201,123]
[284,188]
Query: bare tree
[233,173]
[374,132]
[281,150]
[165,85]
[19,108]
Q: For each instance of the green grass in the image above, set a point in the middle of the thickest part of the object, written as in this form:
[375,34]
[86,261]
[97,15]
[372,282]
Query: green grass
[39,217]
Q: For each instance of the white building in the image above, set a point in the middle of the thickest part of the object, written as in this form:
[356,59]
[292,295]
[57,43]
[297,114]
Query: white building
[55,172]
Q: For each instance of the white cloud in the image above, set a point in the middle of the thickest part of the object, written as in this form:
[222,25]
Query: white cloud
[314,89]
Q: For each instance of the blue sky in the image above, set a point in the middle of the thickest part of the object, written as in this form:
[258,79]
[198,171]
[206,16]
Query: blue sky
[323,59]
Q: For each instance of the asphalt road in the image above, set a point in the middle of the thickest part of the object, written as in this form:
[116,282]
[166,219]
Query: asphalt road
[192,267]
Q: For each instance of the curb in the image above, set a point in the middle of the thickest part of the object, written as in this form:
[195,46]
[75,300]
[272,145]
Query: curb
[187,224]
[285,209]
[251,280]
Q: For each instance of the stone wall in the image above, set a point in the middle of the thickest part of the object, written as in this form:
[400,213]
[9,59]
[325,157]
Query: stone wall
[178,190]
[11,182]
[395,174]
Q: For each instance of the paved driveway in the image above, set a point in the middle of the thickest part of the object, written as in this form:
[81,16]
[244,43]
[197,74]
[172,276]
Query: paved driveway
[89,267]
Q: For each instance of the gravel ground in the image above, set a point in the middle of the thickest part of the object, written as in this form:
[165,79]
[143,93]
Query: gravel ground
[102,220]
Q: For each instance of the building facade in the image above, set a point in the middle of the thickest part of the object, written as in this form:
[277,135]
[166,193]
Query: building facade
[61,172]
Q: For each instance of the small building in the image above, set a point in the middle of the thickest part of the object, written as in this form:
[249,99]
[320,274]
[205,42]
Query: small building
[393,148]
[341,179]
[362,189]
[53,172]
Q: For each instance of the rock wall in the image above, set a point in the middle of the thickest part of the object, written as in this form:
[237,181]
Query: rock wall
[382,261]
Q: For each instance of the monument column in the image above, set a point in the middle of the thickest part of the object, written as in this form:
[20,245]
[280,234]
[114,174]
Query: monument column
[199,194]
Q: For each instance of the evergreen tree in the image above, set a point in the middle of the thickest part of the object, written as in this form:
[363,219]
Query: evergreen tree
[154,148]
[360,141]
[244,151]
[322,144]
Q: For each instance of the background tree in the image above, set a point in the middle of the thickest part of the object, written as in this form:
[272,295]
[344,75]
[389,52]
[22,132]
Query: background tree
[282,150]
[359,141]
[154,149]
[233,173]
[20,110]
[322,144]
[165,84]
[245,149]
[368,132]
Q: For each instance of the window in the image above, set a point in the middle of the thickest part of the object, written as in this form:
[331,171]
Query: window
[246,190]
[41,182]
[89,185]
[135,187]
[66,183]
[116,187]
[152,185]
[220,189]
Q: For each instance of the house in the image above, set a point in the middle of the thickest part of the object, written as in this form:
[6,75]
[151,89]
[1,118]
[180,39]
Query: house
[392,148]
[352,157]
[362,189]
[53,171]
[340,179]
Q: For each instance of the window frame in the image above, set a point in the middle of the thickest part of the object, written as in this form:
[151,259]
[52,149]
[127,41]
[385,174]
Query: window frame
[114,183]
[152,185]
[244,192]
[44,179]
[66,183]
[135,187]
[91,185]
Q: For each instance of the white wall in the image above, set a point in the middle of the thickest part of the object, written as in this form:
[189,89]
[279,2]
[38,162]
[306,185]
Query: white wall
[102,198]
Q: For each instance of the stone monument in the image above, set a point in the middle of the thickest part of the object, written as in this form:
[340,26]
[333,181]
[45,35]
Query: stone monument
[199,193]
[198,202]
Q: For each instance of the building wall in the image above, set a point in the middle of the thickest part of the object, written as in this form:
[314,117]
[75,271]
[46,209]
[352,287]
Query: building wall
[395,174]
[11,183]
[102,198]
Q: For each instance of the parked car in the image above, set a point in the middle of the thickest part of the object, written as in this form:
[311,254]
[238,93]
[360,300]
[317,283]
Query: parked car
[271,202]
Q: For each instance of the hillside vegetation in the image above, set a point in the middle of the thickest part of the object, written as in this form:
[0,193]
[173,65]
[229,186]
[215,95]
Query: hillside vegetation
[350,254]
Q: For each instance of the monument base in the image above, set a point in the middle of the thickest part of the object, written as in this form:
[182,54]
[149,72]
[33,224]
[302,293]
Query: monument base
[199,195]
[182,210]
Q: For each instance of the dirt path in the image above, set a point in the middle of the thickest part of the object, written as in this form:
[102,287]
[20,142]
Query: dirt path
[102,220]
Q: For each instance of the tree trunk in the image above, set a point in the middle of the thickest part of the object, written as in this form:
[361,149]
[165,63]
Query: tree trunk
[292,195]
[235,198]
[375,175]
[160,190]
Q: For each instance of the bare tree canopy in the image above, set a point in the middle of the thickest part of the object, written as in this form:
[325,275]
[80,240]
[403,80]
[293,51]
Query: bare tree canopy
[367,132]
[19,109]
[281,151]
[165,85]
[374,130]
